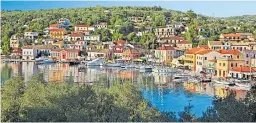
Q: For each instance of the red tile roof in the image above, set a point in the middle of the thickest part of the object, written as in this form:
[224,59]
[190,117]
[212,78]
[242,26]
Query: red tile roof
[232,35]
[76,35]
[54,25]
[203,46]
[202,52]
[184,42]
[194,50]
[233,52]
[198,27]
[57,30]
[120,42]
[68,50]
[81,25]
[165,48]
[243,69]
[30,30]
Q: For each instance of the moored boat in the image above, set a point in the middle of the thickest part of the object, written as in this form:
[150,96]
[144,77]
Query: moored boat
[145,69]
[49,61]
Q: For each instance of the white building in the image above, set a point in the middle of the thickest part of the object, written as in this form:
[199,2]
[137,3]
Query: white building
[92,38]
[101,25]
[203,57]
[31,35]
[29,53]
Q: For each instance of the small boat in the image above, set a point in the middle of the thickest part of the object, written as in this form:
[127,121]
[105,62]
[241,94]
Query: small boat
[145,69]
[49,61]
[112,65]
[95,62]
[180,78]
[193,80]
[242,84]
[223,82]
[39,61]
[205,80]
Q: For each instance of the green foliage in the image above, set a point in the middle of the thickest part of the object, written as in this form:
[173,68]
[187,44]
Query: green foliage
[131,37]
[147,38]
[6,45]
[104,34]
[39,102]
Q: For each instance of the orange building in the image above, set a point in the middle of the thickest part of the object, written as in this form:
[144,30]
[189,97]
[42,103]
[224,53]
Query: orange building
[67,54]
[57,33]
[130,54]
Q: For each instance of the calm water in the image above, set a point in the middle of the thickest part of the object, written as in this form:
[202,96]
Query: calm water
[159,90]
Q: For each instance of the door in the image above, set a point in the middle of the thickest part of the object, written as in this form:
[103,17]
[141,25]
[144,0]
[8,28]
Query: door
[63,56]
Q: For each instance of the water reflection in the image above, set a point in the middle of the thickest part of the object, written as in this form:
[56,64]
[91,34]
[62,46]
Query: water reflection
[158,89]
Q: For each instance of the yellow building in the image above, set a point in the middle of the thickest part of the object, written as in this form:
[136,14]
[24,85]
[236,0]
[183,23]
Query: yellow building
[14,41]
[57,33]
[165,54]
[190,58]
[229,59]
[59,44]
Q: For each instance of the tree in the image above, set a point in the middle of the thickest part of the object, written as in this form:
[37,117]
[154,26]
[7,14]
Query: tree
[147,38]
[191,35]
[12,92]
[131,37]
[117,36]
[6,45]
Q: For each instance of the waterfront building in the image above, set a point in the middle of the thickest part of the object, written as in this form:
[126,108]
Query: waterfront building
[249,58]
[242,72]
[190,58]
[65,54]
[130,53]
[203,57]
[229,60]
[98,53]
[165,54]
[29,52]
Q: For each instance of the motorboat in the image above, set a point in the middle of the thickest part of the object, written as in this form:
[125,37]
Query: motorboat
[205,80]
[224,82]
[180,78]
[193,80]
[243,84]
[95,62]
[39,60]
[112,65]
[145,69]
[49,61]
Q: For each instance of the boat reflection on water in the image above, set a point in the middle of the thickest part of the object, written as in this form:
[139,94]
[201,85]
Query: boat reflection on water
[158,88]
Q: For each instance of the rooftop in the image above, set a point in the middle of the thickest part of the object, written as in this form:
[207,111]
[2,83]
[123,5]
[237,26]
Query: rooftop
[243,69]
[165,48]
[233,52]
[81,25]
[194,50]
[184,42]
[231,35]
[203,46]
[202,52]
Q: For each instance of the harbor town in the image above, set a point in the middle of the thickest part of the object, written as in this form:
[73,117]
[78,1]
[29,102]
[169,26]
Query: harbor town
[174,59]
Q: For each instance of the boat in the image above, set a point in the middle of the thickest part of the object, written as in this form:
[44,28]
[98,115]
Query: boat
[205,80]
[112,65]
[39,60]
[128,66]
[95,62]
[243,84]
[224,82]
[180,78]
[145,69]
[193,80]
[49,61]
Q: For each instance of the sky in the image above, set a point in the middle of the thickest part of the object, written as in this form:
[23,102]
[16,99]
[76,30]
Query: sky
[209,8]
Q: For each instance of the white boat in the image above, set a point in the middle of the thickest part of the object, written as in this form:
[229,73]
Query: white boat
[180,78]
[243,84]
[39,60]
[112,65]
[95,62]
[193,80]
[49,61]
[223,82]
[145,69]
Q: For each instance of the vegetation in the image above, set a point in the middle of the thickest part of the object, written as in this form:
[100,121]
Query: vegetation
[36,101]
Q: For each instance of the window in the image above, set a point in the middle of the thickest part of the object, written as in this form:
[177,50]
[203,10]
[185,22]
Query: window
[205,58]
[231,64]
[224,64]
[247,62]
[236,64]
[247,55]
[219,64]
[238,56]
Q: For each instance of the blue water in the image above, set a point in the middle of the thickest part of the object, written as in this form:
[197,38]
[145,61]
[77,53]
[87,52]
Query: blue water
[175,100]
